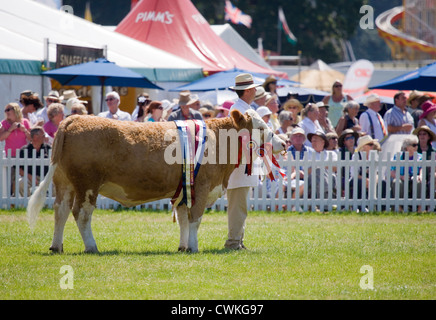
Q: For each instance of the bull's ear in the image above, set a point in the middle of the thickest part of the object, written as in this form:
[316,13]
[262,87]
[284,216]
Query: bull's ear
[238,118]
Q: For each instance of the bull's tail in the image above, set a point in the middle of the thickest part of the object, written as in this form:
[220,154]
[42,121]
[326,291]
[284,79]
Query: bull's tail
[36,201]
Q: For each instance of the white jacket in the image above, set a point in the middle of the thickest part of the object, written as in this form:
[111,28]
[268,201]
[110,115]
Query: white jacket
[238,178]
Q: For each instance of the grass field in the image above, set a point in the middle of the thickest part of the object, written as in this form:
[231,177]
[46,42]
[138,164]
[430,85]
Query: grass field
[290,256]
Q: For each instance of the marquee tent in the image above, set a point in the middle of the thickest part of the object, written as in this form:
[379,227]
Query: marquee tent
[176,26]
[24,25]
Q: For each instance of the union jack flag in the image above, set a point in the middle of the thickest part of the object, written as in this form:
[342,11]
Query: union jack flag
[236,16]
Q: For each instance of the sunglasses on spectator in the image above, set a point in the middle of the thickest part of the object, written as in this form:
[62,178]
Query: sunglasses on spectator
[349,138]
[74,111]
[414,145]
[9,109]
[110,99]
[52,100]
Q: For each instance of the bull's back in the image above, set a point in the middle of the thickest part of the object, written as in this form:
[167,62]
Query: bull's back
[125,158]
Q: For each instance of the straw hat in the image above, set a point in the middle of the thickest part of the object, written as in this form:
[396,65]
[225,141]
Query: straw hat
[364,140]
[260,93]
[69,94]
[186,99]
[413,95]
[371,98]
[344,133]
[53,94]
[426,129]
[244,81]
[268,80]
[322,105]
[292,102]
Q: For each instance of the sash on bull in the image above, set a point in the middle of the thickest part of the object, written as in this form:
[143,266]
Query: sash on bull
[131,163]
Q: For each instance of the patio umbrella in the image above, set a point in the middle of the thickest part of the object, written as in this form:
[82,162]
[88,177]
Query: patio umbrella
[225,79]
[100,72]
[423,79]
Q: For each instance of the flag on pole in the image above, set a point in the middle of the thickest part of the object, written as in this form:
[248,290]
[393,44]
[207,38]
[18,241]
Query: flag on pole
[236,16]
[284,26]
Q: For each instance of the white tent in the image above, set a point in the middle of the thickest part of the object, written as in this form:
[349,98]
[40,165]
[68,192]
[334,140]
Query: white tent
[24,25]
[234,39]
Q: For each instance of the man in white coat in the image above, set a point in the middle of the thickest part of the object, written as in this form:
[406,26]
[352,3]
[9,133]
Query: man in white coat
[239,182]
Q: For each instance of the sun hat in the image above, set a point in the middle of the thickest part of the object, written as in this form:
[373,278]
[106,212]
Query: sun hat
[298,130]
[260,93]
[263,111]
[292,102]
[426,129]
[73,101]
[427,107]
[186,99]
[364,140]
[68,94]
[268,80]
[371,98]
[226,105]
[244,81]
[319,134]
[54,95]
[341,140]
[413,95]
[322,105]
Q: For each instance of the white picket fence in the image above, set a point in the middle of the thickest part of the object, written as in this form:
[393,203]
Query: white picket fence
[270,195]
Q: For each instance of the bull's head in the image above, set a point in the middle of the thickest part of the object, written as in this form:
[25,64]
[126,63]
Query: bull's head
[262,133]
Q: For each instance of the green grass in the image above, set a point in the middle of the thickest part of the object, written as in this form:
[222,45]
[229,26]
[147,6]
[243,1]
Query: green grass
[290,256]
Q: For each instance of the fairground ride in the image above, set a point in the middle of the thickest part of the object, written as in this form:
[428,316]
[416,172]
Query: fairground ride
[410,30]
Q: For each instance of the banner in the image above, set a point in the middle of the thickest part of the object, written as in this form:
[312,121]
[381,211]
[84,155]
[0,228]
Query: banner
[358,77]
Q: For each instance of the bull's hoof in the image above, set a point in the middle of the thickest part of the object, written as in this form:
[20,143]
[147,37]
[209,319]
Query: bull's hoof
[182,249]
[57,250]
[92,250]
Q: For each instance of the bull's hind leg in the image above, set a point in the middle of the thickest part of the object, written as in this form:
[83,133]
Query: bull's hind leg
[182,219]
[84,205]
[62,208]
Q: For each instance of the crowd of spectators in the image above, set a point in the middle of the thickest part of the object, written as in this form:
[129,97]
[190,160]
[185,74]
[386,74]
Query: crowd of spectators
[31,124]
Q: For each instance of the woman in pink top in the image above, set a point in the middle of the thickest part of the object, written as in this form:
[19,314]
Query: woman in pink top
[55,113]
[14,130]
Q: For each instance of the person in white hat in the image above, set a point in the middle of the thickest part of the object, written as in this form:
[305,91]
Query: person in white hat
[53,97]
[239,182]
[259,98]
[265,113]
[371,121]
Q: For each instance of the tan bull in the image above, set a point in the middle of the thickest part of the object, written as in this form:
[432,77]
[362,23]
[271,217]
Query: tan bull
[125,161]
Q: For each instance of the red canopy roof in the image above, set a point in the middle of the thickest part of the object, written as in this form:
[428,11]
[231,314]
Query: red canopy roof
[176,26]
